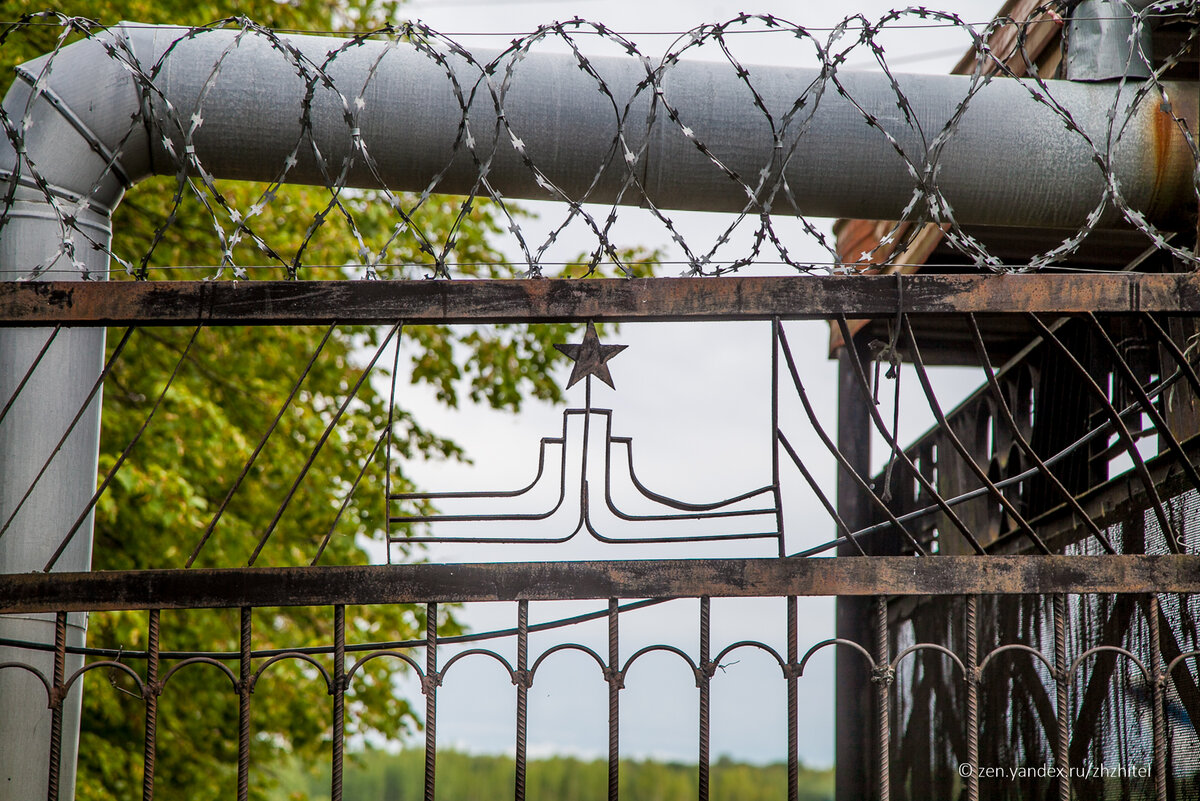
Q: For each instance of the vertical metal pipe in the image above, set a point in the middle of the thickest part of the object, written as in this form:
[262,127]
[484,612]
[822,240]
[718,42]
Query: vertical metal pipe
[429,686]
[853,699]
[1158,681]
[40,403]
[704,684]
[793,692]
[522,682]
[613,674]
[883,687]
[65,228]
[339,701]
[244,688]
[1106,41]
[1062,682]
[149,753]
[972,679]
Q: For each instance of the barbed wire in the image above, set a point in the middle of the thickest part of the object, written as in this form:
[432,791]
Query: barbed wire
[419,219]
[1149,15]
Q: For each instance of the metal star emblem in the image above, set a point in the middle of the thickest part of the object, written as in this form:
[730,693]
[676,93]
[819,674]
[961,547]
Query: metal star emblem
[591,358]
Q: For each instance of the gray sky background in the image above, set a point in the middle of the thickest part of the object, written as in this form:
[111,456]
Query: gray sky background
[696,400]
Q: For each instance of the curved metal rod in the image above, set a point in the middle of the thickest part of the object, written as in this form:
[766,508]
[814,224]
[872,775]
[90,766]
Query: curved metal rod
[124,668]
[748,644]
[481,651]
[836,641]
[865,388]
[944,425]
[587,521]
[1181,360]
[1178,659]
[1023,443]
[650,648]
[1147,405]
[1159,387]
[929,646]
[663,499]
[562,493]
[815,422]
[579,526]
[390,645]
[1014,647]
[566,646]
[1114,649]
[1122,430]
[687,515]
[200,660]
[31,669]
[830,509]
[397,654]
[292,655]
[673,502]
[502,493]
[468,518]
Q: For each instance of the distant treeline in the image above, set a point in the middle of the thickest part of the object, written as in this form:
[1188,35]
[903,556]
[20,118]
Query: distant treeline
[379,776]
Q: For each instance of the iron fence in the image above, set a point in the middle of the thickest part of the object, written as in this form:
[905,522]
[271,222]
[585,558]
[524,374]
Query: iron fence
[1019,589]
[989,657]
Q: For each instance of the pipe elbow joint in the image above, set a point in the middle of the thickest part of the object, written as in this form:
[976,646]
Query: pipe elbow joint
[75,140]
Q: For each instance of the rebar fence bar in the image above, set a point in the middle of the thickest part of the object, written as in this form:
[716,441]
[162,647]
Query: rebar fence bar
[983,666]
[1073,391]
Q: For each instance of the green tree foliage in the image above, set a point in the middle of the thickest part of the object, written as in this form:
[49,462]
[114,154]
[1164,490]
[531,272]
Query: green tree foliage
[463,777]
[229,385]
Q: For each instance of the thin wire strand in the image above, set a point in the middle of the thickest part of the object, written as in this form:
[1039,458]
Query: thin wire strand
[116,354]
[262,442]
[112,472]
[29,373]
[287,499]
[318,650]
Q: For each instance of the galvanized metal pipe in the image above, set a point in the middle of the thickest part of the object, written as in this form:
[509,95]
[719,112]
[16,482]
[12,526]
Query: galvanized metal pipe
[35,423]
[1106,42]
[1011,161]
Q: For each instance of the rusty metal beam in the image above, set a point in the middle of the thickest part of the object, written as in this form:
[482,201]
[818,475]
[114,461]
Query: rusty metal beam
[148,303]
[549,581]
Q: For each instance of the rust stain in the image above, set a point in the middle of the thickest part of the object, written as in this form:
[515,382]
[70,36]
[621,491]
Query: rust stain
[1172,158]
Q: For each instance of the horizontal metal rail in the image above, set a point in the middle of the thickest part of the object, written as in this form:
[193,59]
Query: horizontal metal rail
[548,581]
[541,300]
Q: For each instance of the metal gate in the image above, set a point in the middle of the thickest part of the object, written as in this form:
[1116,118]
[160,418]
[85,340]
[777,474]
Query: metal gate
[1016,613]
[1089,632]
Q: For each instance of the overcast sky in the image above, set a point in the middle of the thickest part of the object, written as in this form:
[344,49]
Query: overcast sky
[695,398]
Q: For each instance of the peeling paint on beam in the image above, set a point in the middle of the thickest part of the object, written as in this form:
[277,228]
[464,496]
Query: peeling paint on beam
[545,581]
[151,303]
